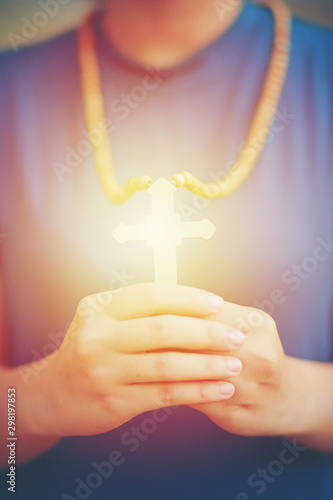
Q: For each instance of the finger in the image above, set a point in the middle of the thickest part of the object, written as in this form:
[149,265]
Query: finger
[149,299]
[174,332]
[154,396]
[246,319]
[176,366]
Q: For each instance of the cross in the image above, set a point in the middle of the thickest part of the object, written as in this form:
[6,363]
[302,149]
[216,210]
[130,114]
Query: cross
[164,231]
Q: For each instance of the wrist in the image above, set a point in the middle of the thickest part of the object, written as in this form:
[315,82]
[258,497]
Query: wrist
[37,415]
[304,403]
[27,409]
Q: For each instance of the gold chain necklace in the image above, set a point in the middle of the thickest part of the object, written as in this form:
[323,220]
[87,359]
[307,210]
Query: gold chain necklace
[94,112]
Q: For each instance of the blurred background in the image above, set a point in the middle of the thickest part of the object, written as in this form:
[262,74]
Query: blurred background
[37,20]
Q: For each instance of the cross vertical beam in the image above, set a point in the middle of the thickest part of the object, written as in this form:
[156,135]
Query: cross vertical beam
[164,231]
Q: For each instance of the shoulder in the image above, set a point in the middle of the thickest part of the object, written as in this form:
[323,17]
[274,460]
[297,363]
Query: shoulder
[46,60]
[306,37]
[53,45]
[311,65]
[310,35]
[310,73]
[35,77]
[311,42]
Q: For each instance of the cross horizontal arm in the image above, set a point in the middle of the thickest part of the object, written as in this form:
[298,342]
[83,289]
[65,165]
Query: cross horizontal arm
[124,233]
[198,229]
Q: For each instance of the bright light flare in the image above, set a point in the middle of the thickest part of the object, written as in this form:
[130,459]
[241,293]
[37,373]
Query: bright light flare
[164,231]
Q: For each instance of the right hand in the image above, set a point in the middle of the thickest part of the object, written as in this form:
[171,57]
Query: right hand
[149,346]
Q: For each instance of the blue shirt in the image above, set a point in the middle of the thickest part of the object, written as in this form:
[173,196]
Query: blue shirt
[272,250]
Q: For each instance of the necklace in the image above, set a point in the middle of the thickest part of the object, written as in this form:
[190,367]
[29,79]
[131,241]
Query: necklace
[94,112]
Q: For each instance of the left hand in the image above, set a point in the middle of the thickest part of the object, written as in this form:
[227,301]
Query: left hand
[262,399]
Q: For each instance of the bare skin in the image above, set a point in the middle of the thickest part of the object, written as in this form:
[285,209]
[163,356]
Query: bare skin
[275,394]
[112,364]
[164,34]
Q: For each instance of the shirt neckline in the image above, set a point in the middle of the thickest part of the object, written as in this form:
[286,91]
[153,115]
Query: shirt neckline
[225,40]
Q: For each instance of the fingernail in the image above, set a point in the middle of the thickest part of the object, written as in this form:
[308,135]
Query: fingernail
[234,365]
[226,389]
[236,337]
[215,301]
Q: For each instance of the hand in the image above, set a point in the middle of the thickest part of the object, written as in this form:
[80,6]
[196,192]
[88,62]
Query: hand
[132,350]
[263,397]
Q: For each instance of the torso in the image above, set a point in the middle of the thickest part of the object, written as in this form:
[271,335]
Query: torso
[59,246]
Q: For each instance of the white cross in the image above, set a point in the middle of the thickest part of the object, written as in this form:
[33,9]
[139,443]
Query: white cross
[164,231]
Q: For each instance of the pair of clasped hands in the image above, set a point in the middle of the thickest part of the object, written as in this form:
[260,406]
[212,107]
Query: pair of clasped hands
[151,345]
